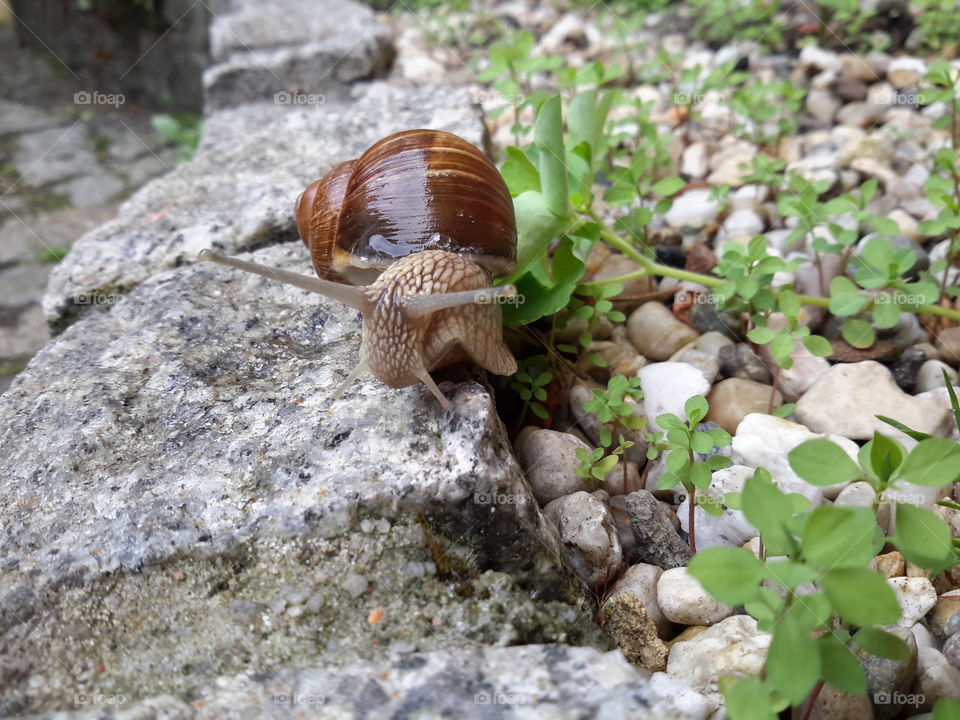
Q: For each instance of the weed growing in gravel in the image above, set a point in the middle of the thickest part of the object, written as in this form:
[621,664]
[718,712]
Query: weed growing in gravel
[680,442]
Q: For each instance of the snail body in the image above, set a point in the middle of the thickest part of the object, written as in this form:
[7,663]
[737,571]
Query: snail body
[410,233]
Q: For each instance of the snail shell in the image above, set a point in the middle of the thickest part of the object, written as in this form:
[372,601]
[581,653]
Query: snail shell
[412,191]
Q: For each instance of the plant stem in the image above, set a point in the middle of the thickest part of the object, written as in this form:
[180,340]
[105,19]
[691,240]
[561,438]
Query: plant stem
[811,700]
[654,268]
[692,490]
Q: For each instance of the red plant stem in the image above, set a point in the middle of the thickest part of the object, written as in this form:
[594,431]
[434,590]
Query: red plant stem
[811,700]
[690,515]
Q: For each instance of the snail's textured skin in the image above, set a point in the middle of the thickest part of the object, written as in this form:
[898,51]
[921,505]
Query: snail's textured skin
[395,345]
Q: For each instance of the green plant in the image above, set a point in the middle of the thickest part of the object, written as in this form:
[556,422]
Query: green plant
[616,409]
[812,589]
[680,442]
[531,385]
[769,110]
[183,129]
[53,254]
[939,24]
[720,21]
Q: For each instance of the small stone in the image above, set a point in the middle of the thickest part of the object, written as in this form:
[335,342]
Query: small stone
[857,494]
[733,399]
[807,368]
[890,564]
[693,162]
[707,318]
[549,458]
[740,361]
[859,114]
[948,343]
[944,619]
[847,397]
[951,651]
[820,59]
[930,376]
[765,441]
[906,72]
[588,537]
[692,210]
[906,368]
[733,646]
[743,222]
[666,388]
[939,676]
[712,342]
[623,479]
[656,333]
[702,361]
[833,704]
[354,584]
[683,600]
[626,620]
[822,106]
[657,540]
[909,227]
[731,528]
[888,678]
[849,89]
[641,579]
[916,596]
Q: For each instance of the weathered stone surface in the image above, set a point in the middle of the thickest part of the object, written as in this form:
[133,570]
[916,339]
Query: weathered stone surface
[182,444]
[588,537]
[559,682]
[239,191]
[626,619]
[310,48]
[657,540]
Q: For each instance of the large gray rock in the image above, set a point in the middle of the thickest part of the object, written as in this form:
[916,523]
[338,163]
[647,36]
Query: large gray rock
[238,192]
[183,500]
[275,51]
[557,683]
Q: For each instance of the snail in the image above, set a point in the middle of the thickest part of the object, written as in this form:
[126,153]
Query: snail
[410,234]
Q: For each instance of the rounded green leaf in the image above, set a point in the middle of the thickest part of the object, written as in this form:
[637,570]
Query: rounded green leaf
[731,575]
[793,660]
[858,333]
[667,186]
[821,462]
[882,644]
[932,463]
[861,596]
[818,346]
[923,537]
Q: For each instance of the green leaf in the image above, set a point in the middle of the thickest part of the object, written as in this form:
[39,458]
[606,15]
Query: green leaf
[548,137]
[885,456]
[696,409]
[748,699]
[540,299]
[817,345]
[932,463]
[789,303]
[731,575]
[858,333]
[915,434]
[700,475]
[520,174]
[667,186]
[861,596]
[822,462]
[537,228]
[885,314]
[845,297]
[840,667]
[793,660]
[770,511]
[923,537]
[790,574]
[840,537]
[701,442]
[881,643]
[761,335]
[946,709]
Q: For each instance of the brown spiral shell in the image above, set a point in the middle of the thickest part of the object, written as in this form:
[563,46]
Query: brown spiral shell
[411,191]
